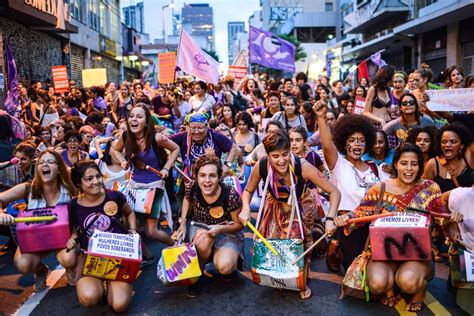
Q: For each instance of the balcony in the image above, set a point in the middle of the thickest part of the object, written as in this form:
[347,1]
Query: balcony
[374,13]
[309,20]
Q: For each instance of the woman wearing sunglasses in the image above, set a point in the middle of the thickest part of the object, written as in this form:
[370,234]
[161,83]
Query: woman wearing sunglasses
[410,118]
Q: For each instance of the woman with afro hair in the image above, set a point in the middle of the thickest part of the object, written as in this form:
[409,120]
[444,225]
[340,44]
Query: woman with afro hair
[353,136]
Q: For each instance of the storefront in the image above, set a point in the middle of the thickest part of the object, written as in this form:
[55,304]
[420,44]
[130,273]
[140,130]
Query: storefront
[35,31]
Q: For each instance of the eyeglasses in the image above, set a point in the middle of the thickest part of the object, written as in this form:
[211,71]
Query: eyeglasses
[91,178]
[49,162]
[411,102]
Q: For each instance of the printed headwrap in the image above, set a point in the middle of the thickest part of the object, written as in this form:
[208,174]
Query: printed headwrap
[196,118]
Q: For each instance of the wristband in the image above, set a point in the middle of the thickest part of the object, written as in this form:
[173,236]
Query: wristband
[168,170]
[328,218]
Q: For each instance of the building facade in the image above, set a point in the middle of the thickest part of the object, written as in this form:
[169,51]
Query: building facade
[87,35]
[198,21]
[436,32]
[233,28]
[134,17]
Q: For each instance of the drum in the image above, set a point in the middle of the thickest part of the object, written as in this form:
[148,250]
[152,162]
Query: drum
[140,200]
[179,265]
[43,236]
[113,256]
[462,268]
[401,238]
[279,272]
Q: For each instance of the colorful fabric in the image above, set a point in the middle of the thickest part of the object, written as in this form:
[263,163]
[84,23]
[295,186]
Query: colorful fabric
[196,118]
[425,195]
[276,220]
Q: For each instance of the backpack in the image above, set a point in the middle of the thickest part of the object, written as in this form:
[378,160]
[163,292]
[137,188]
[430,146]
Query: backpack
[239,103]
[298,172]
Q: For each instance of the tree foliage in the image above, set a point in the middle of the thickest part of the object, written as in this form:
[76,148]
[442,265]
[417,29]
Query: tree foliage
[300,54]
[213,54]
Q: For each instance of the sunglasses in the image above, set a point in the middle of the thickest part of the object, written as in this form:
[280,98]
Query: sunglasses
[411,102]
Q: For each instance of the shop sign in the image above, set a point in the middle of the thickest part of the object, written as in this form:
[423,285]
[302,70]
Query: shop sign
[56,8]
[107,46]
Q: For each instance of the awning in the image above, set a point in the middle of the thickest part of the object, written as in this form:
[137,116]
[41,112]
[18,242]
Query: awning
[389,41]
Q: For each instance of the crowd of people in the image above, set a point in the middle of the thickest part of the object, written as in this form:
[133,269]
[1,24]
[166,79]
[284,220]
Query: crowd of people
[301,140]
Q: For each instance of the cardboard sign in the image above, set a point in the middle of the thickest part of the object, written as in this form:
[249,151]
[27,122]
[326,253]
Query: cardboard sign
[469,261]
[117,245]
[396,242]
[60,79]
[238,72]
[166,67]
[94,77]
[113,256]
[359,105]
[179,265]
[401,221]
[451,99]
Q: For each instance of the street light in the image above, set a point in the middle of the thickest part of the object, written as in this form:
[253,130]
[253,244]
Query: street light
[171,6]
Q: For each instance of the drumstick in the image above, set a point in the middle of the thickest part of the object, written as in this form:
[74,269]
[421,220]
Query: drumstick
[310,248]
[35,219]
[147,167]
[369,218]
[265,242]
[183,174]
[435,214]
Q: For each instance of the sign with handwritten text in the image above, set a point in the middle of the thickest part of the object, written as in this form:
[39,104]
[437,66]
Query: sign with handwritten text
[451,100]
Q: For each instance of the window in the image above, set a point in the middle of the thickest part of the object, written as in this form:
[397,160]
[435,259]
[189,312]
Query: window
[75,8]
[329,6]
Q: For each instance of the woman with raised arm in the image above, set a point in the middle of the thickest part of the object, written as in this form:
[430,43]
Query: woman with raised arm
[353,136]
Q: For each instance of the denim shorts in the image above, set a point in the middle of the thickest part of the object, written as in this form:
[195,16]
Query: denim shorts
[229,241]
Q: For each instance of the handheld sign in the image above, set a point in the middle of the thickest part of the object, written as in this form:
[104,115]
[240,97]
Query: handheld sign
[113,256]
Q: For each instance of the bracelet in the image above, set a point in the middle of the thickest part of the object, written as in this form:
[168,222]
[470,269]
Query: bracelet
[328,218]
[166,169]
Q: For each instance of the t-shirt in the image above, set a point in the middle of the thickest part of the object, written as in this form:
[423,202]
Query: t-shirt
[214,213]
[298,120]
[184,109]
[401,131]
[104,217]
[215,140]
[352,182]
[202,106]
[462,200]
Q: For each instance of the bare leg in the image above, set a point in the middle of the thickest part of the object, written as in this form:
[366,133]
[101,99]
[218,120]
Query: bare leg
[225,260]
[89,290]
[119,295]
[381,278]
[204,243]
[27,262]
[412,278]
[152,232]
[69,261]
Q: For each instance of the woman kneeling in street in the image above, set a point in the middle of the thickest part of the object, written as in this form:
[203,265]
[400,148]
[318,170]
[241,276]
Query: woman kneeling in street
[210,202]
[97,209]
[406,190]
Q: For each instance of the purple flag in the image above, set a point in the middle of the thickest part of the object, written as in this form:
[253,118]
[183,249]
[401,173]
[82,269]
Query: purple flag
[271,51]
[11,102]
[376,58]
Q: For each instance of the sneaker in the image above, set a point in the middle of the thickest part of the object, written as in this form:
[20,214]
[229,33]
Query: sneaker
[146,261]
[196,289]
[40,279]
[234,276]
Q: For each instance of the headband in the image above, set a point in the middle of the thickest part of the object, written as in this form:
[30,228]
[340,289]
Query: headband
[196,118]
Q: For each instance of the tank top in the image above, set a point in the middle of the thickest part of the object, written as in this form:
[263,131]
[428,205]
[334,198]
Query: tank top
[64,198]
[464,178]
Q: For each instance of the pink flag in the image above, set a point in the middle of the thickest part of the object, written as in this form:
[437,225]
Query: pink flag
[193,60]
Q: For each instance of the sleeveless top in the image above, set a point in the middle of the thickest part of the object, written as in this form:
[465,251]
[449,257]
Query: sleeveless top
[64,198]
[123,108]
[464,178]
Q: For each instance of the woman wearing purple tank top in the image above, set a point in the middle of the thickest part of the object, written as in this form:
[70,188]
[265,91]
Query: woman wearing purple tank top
[136,148]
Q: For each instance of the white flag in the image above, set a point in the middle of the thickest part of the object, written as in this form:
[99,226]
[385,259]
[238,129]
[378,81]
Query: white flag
[193,60]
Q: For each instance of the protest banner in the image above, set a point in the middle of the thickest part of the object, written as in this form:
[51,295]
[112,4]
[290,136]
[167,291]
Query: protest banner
[94,77]
[238,73]
[166,67]
[359,105]
[60,79]
[451,100]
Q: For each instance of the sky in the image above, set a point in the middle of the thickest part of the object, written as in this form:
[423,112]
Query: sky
[224,11]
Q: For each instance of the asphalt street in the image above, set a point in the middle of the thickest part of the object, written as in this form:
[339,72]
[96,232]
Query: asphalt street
[219,297]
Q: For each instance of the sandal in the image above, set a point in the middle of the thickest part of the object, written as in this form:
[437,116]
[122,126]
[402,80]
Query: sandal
[415,306]
[306,293]
[389,300]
